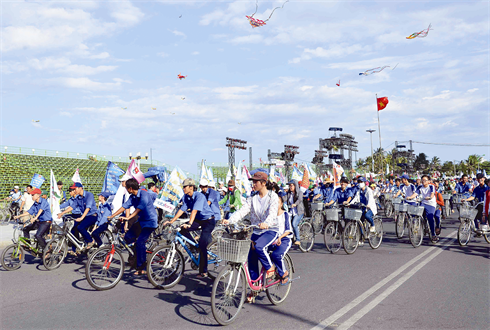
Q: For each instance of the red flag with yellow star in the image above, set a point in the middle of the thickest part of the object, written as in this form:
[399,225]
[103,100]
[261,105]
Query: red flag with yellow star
[382,103]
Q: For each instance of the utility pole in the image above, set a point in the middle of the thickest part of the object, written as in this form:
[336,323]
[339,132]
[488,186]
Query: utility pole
[250,157]
[233,144]
[372,158]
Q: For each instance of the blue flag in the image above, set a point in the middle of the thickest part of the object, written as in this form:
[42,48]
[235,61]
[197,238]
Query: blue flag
[111,180]
[37,181]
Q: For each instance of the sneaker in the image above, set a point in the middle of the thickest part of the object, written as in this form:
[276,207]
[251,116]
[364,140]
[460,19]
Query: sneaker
[484,228]
[372,229]
[435,239]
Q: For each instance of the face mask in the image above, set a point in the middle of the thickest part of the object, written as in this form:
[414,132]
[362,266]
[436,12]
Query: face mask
[362,185]
[230,189]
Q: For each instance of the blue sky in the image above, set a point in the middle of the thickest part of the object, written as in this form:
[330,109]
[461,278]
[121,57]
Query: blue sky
[75,65]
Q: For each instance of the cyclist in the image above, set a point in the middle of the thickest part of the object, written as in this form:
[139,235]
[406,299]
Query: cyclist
[201,216]
[366,197]
[486,207]
[212,197]
[70,206]
[327,190]
[104,210]
[232,200]
[60,189]
[41,219]
[86,204]
[341,195]
[147,221]
[263,209]
[479,194]
[294,201]
[406,189]
[397,185]
[427,192]
[440,205]
[463,187]
[283,243]
[27,200]
[15,197]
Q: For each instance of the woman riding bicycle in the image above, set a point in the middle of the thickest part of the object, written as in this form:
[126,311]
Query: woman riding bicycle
[367,198]
[294,200]
[263,209]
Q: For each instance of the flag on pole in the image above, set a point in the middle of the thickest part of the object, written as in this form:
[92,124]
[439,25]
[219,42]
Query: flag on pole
[76,177]
[228,176]
[297,175]
[245,182]
[204,171]
[382,103]
[54,199]
[111,179]
[271,173]
[135,172]
[247,172]
[37,181]
[305,182]
[337,173]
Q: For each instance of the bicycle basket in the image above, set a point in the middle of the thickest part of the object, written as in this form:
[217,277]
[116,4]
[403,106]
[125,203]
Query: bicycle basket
[169,233]
[446,196]
[316,206]
[468,213]
[57,230]
[415,210]
[233,250]
[352,214]
[332,214]
[397,200]
[388,196]
[457,199]
[399,207]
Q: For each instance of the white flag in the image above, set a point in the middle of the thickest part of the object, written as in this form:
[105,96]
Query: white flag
[76,177]
[54,199]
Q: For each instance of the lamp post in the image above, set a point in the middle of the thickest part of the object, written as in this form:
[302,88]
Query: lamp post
[138,157]
[372,158]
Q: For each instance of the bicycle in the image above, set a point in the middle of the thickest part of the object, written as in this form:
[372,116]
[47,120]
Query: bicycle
[467,226]
[317,218]
[447,205]
[355,230]
[400,211]
[105,266]
[332,236]
[166,265]
[230,286]
[13,255]
[306,234]
[416,227]
[8,212]
[388,202]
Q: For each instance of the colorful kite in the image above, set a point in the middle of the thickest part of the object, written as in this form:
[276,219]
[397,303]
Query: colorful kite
[255,22]
[181,76]
[338,84]
[183,98]
[421,34]
[395,66]
[375,70]
[124,108]
[153,108]
[35,121]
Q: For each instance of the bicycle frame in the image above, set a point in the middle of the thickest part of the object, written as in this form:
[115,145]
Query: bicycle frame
[181,239]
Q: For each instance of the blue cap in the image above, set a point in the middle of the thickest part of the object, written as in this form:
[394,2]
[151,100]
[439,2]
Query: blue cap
[404,176]
[78,185]
[362,179]
[105,194]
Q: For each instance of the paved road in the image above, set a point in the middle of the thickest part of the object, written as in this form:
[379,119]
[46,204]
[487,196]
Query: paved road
[441,286]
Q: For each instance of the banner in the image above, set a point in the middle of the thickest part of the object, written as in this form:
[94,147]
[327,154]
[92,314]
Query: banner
[204,171]
[135,172]
[111,180]
[228,176]
[279,163]
[297,175]
[54,199]
[37,181]
[76,177]
[172,192]
[337,173]
[305,182]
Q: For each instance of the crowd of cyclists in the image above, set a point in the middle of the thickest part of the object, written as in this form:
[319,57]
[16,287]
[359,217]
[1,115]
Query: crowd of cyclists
[274,210]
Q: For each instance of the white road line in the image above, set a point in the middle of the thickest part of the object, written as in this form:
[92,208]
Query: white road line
[341,312]
[366,309]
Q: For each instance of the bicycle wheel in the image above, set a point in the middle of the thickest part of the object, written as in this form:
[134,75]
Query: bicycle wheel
[104,269]
[213,265]
[217,233]
[17,232]
[487,237]
[375,239]
[228,294]
[351,237]
[306,236]
[317,220]
[416,231]
[278,292]
[332,237]
[400,225]
[447,208]
[5,216]
[165,271]
[389,209]
[12,257]
[54,253]
[464,233]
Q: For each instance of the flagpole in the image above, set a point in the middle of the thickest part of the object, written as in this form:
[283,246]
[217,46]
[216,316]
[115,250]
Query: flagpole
[379,131]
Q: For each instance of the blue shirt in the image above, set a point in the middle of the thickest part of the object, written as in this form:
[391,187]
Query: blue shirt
[148,217]
[197,202]
[340,196]
[213,197]
[353,190]
[86,201]
[73,204]
[41,205]
[16,195]
[103,211]
[479,192]
[153,195]
[327,192]
[463,189]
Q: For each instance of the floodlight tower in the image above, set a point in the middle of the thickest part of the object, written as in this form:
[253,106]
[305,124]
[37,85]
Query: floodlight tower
[233,144]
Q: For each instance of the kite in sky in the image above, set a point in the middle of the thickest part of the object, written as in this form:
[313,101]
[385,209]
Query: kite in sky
[180,16]
[421,34]
[395,66]
[338,84]
[255,22]
[375,70]
[124,108]
[172,113]
[35,121]
[183,98]
[181,76]
[153,108]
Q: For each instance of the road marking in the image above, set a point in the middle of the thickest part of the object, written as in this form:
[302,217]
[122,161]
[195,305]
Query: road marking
[366,309]
[341,312]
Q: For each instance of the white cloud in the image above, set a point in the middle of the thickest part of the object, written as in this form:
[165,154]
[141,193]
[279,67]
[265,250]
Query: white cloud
[86,83]
[163,54]
[472,90]
[66,114]
[337,50]
[178,33]
[195,53]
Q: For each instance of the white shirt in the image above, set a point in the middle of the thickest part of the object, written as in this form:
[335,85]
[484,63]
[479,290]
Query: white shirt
[27,199]
[426,192]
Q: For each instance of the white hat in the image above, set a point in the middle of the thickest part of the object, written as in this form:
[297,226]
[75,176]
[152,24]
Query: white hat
[16,187]
[125,177]
[204,182]
[212,184]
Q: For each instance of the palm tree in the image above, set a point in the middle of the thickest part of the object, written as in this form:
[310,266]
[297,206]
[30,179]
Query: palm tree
[435,163]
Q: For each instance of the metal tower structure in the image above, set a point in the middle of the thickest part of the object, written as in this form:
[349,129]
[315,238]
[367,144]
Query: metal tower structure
[233,144]
[336,146]
[288,156]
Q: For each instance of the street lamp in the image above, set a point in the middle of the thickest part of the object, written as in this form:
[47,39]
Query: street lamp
[372,158]
[138,157]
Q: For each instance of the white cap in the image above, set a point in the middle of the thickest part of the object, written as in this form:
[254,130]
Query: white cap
[125,177]
[212,184]
[16,187]
[204,182]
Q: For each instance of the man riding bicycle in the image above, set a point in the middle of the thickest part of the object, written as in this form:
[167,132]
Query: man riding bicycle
[366,197]
[406,189]
[478,194]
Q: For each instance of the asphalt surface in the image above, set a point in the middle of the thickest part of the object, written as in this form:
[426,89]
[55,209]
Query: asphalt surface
[442,286]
